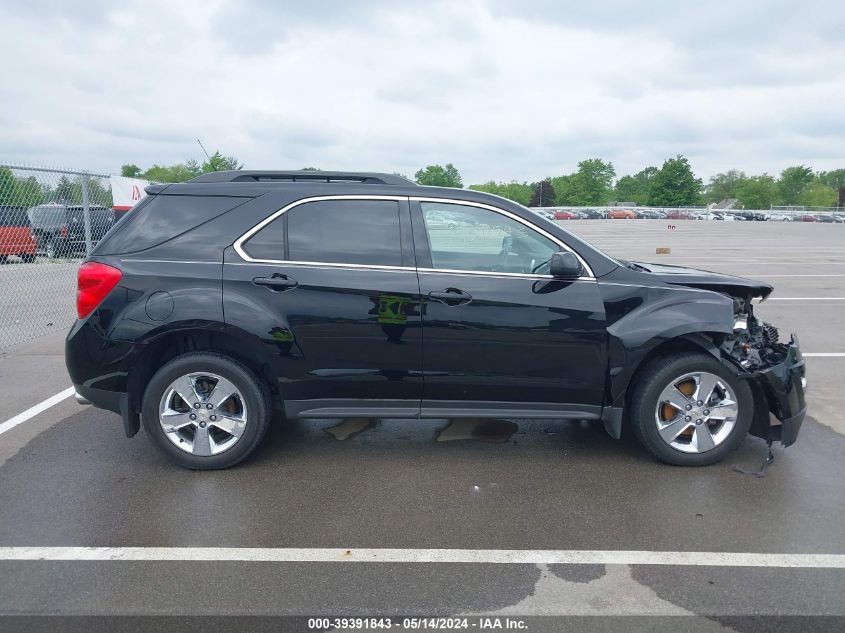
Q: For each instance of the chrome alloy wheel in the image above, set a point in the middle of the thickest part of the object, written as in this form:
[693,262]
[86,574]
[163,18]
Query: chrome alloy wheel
[202,413]
[696,412]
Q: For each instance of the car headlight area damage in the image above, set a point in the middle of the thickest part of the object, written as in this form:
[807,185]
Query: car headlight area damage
[775,369]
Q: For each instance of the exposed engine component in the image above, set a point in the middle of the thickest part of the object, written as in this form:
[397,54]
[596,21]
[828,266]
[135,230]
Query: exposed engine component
[753,344]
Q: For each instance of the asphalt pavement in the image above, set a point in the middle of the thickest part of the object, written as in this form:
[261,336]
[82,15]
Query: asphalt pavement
[69,478]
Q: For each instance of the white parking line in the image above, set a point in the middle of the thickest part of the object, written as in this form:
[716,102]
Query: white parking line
[824,354]
[483,556]
[806,299]
[33,411]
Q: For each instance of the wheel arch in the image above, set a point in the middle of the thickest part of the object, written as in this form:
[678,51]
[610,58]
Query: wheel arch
[228,341]
[684,343]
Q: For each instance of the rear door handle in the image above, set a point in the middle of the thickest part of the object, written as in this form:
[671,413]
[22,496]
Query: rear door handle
[451,297]
[276,282]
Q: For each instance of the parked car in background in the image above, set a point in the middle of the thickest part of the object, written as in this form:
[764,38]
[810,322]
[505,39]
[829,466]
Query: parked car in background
[807,218]
[566,215]
[59,229]
[839,218]
[220,300]
[825,217]
[544,213]
[780,217]
[621,214]
[709,215]
[593,214]
[16,234]
[651,214]
[678,214]
[752,216]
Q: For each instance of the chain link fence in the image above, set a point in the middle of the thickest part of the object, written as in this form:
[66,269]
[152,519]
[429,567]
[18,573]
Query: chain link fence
[50,219]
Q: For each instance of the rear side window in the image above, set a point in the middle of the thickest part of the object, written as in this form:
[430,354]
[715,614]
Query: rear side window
[364,232]
[160,219]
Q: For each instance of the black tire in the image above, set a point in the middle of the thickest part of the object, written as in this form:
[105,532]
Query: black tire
[50,248]
[253,390]
[28,258]
[3,259]
[659,373]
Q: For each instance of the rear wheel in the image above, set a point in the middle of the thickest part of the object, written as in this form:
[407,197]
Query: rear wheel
[690,410]
[206,411]
[28,258]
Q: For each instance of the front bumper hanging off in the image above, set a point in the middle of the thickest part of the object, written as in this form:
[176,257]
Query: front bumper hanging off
[783,386]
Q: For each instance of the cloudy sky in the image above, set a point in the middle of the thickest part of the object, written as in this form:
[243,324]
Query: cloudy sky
[503,89]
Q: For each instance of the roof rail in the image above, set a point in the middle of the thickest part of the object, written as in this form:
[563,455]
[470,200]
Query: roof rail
[252,175]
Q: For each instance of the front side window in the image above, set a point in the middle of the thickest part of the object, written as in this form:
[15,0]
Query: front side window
[364,232]
[462,237]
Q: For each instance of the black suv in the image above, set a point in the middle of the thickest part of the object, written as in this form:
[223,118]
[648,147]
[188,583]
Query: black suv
[328,294]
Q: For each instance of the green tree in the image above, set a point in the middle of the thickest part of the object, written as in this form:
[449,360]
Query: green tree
[591,184]
[130,170]
[543,194]
[563,186]
[180,172]
[675,184]
[64,191]
[723,186]
[219,162]
[439,176]
[8,186]
[793,183]
[519,192]
[28,192]
[819,194]
[636,188]
[757,192]
[834,179]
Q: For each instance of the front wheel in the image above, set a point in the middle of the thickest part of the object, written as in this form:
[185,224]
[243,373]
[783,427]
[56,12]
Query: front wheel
[206,411]
[690,409]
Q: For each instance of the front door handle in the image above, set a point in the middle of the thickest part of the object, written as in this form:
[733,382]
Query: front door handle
[451,297]
[276,282]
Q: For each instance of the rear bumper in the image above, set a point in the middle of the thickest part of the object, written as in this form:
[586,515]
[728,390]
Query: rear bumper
[784,386]
[111,401]
[99,370]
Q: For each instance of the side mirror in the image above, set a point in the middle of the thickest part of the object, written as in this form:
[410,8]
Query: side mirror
[565,265]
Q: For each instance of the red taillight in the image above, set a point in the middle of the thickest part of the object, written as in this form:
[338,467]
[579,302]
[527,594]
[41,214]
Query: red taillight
[94,282]
[63,230]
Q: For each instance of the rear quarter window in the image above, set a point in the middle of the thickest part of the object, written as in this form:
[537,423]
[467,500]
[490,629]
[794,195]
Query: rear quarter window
[161,218]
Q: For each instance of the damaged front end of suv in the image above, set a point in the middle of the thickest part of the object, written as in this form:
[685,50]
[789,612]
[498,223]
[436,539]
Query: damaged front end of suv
[775,369]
